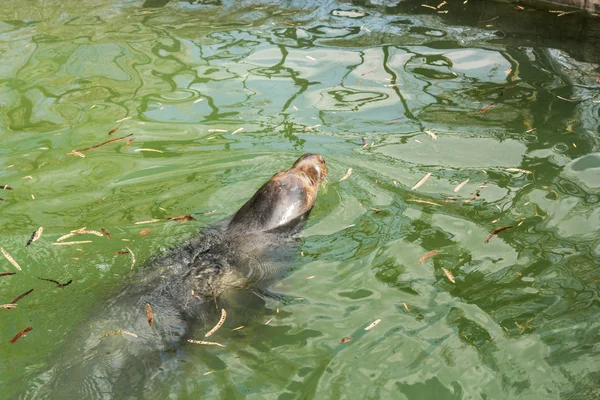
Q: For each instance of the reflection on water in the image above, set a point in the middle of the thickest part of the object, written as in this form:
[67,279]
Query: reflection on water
[451,94]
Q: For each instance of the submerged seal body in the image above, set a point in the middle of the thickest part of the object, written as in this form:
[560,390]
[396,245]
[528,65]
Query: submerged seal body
[117,353]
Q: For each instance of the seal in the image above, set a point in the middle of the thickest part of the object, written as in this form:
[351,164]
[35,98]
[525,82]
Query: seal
[117,353]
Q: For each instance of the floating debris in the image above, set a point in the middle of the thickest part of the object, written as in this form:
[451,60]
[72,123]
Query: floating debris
[427,255]
[150,221]
[7,273]
[428,6]
[449,275]
[217,130]
[364,143]
[121,252]
[149,314]
[310,277]
[18,335]
[198,101]
[310,128]
[113,131]
[145,232]
[150,150]
[421,182]
[373,324]
[238,328]
[60,285]
[346,339]
[132,257]
[101,144]
[205,343]
[237,131]
[5,187]
[119,332]
[35,236]
[460,185]
[495,232]
[432,135]
[206,212]
[486,108]
[406,307]
[219,324]
[524,171]
[269,321]
[106,233]
[81,231]
[8,306]
[19,297]
[311,58]
[208,372]
[182,218]
[72,243]
[10,259]
[424,202]
[347,175]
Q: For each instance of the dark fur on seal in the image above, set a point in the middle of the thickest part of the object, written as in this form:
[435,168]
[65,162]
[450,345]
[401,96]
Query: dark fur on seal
[182,288]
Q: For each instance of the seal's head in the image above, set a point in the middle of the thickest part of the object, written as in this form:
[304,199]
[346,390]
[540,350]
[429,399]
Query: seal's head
[285,200]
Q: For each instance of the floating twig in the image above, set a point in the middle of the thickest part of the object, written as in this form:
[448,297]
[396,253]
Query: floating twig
[372,325]
[132,257]
[421,182]
[18,335]
[7,273]
[106,233]
[119,332]
[8,306]
[449,275]
[19,297]
[150,221]
[343,178]
[219,324]
[72,243]
[182,218]
[461,185]
[102,144]
[495,232]
[35,236]
[205,343]
[10,259]
[424,202]
[427,255]
[346,339]
[149,314]
[524,171]
[60,285]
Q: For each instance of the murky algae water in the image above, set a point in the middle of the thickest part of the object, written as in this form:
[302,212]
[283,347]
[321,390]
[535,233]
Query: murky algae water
[221,95]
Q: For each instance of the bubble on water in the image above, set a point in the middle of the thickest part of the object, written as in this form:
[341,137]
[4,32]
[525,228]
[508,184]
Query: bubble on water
[530,138]
[560,148]
[585,172]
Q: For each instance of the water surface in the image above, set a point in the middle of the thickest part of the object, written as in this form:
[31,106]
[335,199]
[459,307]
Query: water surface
[453,94]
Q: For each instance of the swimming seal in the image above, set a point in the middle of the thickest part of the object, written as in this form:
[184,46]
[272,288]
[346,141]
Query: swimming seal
[118,354]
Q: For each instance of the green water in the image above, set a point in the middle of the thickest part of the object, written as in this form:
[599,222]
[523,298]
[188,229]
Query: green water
[517,118]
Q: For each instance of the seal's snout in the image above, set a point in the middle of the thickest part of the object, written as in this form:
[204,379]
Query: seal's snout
[313,165]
